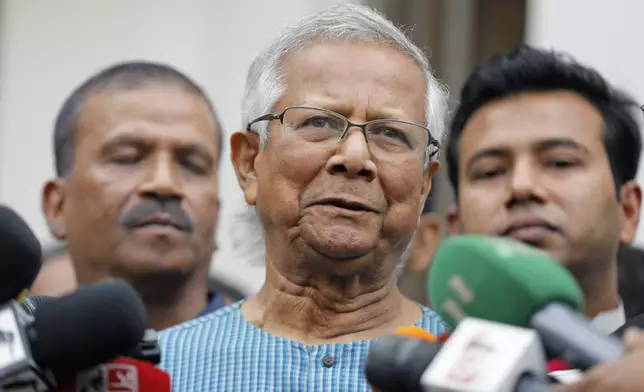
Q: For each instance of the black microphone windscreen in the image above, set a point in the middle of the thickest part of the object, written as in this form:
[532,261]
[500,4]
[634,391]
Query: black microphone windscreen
[20,255]
[88,327]
[31,302]
[396,363]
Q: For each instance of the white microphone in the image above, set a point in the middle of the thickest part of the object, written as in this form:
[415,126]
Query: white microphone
[484,356]
[18,370]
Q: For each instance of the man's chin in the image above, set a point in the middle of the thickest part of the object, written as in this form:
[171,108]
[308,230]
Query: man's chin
[341,252]
[141,261]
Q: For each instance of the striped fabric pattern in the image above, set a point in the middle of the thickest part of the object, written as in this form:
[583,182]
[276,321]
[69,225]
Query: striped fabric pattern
[224,352]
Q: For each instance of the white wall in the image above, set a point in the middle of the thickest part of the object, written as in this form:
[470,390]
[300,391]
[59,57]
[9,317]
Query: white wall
[48,47]
[609,35]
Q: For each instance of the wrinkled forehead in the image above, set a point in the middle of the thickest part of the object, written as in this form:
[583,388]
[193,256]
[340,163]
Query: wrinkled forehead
[380,77]
[154,113]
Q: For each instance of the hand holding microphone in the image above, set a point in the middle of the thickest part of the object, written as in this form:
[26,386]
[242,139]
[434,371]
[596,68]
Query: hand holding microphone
[624,375]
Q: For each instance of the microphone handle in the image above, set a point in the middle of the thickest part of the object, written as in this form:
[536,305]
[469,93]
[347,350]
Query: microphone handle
[529,383]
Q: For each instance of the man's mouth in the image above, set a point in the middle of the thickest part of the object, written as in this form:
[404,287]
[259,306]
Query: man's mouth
[161,220]
[533,232]
[350,205]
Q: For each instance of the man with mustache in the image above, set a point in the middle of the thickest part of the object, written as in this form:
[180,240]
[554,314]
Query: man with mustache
[137,150]
[342,118]
[544,150]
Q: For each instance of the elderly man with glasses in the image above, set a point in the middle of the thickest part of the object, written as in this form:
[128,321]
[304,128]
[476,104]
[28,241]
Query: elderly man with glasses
[342,117]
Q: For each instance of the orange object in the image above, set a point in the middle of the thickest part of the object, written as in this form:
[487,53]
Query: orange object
[415,333]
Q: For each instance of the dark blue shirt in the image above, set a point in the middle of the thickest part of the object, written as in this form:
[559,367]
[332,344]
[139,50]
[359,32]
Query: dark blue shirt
[216,301]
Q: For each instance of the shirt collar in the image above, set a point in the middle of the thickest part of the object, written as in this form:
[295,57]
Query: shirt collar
[608,321]
[216,301]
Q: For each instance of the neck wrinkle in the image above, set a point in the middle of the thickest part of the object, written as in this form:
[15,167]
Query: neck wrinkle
[322,311]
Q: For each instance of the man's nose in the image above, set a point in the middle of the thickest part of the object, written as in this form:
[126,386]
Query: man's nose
[526,183]
[353,158]
[162,179]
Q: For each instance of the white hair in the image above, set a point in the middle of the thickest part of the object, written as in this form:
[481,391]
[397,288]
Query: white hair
[341,22]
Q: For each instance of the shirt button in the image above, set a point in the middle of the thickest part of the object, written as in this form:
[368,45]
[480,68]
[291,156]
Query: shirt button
[327,361]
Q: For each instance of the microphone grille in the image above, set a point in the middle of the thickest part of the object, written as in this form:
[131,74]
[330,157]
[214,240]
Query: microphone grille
[31,302]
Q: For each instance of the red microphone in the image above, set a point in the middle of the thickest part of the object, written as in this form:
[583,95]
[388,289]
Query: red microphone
[442,338]
[120,375]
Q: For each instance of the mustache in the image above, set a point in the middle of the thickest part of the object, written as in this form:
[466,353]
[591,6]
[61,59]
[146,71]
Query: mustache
[148,208]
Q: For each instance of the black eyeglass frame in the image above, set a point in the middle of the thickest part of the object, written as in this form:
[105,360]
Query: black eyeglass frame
[431,141]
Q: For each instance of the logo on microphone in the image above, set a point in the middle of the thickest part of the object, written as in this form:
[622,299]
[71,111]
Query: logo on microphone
[112,377]
[472,361]
[121,378]
[11,350]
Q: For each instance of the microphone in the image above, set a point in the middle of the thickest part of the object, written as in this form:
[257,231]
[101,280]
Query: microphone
[397,362]
[558,371]
[506,281]
[480,356]
[29,303]
[20,253]
[147,350]
[75,332]
[120,375]
[486,356]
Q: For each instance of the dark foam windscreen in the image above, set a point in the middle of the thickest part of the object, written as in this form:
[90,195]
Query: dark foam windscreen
[88,327]
[497,279]
[31,302]
[20,255]
[397,363]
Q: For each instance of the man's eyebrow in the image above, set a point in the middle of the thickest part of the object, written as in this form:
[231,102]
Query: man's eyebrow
[549,144]
[493,152]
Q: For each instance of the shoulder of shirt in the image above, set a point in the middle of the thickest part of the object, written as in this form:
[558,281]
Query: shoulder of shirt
[218,315]
[431,318]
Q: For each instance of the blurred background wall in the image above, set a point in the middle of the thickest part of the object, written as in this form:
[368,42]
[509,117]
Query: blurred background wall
[48,47]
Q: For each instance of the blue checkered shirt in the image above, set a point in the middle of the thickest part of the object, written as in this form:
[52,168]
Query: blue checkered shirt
[224,352]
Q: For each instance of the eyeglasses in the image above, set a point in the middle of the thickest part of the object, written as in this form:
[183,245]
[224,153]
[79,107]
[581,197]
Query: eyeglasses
[386,138]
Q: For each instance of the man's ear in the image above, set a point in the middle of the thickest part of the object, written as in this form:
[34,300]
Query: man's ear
[434,165]
[244,148]
[425,241]
[451,214]
[631,203]
[53,207]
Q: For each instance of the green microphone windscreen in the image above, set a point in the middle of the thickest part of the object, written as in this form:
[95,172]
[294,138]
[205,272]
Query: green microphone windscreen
[497,279]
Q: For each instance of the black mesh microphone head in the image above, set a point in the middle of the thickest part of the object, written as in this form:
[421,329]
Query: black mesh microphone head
[31,302]
[20,255]
[396,363]
[88,327]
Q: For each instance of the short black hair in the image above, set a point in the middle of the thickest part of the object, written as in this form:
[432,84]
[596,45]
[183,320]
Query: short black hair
[528,69]
[126,76]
